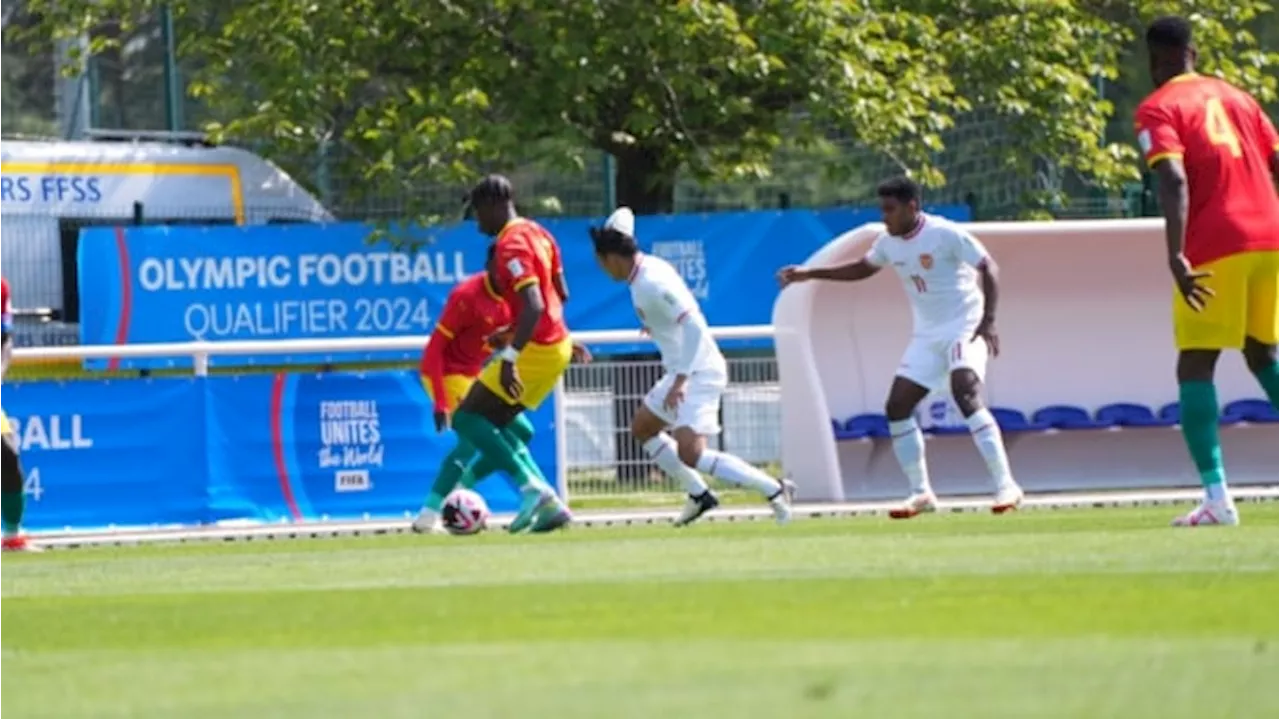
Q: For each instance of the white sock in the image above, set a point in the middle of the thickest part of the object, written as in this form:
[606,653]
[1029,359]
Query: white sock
[661,448]
[736,471]
[986,435]
[1217,492]
[908,446]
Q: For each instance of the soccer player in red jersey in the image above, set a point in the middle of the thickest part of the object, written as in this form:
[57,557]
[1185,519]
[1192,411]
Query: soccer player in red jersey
[13,500]
[532,281]
[1214,151]
[473,323]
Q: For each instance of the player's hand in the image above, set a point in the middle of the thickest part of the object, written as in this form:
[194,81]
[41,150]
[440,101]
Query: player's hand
[674,397]
[1190,283]
[510,380]
[442,420]
[987,333]
[581,353]
[792,274]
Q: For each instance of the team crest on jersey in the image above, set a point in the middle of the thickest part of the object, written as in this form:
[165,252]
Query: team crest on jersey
[926,261]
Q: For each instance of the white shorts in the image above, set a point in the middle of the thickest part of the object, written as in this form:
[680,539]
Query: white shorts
[929,362]
[700,410]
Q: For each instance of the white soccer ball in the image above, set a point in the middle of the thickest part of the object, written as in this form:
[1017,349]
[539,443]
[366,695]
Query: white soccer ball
[464,512]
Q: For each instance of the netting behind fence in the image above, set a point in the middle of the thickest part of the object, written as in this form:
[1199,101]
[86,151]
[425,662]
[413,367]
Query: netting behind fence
[600,399]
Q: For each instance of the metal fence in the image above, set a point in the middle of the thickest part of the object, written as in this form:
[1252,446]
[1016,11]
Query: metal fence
[601,398]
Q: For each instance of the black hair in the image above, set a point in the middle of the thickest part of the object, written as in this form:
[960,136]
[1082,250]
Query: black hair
[1169,33]
[494,188]
[493,252]
[901,188]
[609,241]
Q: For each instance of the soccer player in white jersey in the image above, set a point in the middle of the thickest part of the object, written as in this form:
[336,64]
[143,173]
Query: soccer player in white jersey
[687,398]
[951,282]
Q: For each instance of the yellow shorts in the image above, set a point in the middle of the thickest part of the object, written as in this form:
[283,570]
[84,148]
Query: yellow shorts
[5,427]
[1245,304]
[539,366]
[456,387]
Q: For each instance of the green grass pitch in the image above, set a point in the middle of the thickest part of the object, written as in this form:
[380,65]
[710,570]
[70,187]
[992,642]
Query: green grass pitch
[1091,613]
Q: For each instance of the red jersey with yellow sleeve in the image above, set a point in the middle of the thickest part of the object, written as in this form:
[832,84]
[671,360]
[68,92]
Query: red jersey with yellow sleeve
[459,346]
[1225,142]
[528,255]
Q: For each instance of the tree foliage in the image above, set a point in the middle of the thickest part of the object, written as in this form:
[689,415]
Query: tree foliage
[438,91]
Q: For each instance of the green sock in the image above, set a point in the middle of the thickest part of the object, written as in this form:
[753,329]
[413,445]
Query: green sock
[452,470]
[518,433]
[1198,403]
[494,446]
[12,505]
[1269,377]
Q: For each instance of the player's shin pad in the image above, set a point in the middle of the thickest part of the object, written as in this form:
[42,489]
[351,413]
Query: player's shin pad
[12,500]
[519,432]
[1199,409]
[493,446]
[452,470]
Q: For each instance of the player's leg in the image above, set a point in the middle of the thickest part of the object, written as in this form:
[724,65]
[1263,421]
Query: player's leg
[968,367]
[542,368]
[923,366]
[1262,322]
[487,409]
[649,430]
[12,499]
[519,432]
[454,466]
[1201,337]
[697,418]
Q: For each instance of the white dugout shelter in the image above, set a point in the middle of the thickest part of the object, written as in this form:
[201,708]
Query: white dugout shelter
[1084,383]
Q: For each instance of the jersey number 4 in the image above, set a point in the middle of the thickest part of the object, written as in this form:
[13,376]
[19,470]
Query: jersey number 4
[1218,126]
[919,283]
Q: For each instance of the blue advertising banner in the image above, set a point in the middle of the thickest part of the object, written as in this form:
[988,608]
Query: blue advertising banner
[111,452]
[258,447]
[177,284]
[292,446]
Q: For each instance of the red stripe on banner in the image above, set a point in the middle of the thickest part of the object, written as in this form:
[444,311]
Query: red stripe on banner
[126,296]
[277,445]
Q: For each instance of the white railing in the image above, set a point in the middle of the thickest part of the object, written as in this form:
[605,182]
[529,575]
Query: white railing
[200,352]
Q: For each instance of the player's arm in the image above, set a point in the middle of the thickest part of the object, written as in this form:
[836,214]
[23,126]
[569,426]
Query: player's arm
[665,307]
[851,272]
[972,252]
[1162,149]
[517,268]
[1174,204]
[6,331]
[557,277]
[452,320]
[1269,139]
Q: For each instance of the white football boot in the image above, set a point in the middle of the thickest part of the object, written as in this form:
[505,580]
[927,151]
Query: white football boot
[781,502]
[918,503]
[428,522]
[1210,513]
[1007,499]
[695,507]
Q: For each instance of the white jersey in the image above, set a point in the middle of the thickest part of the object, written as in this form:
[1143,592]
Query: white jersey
[938,263]
[663,303]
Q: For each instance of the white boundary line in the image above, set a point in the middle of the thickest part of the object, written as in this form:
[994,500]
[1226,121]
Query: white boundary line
[622,518]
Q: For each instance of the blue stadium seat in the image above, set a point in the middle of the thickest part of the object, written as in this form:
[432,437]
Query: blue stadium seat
[1060,416]
[1128,414]
[1255,411]
[1170,414]
[837,429]
[1013,420]
[867,426]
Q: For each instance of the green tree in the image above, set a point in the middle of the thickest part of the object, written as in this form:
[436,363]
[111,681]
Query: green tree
[438,91]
